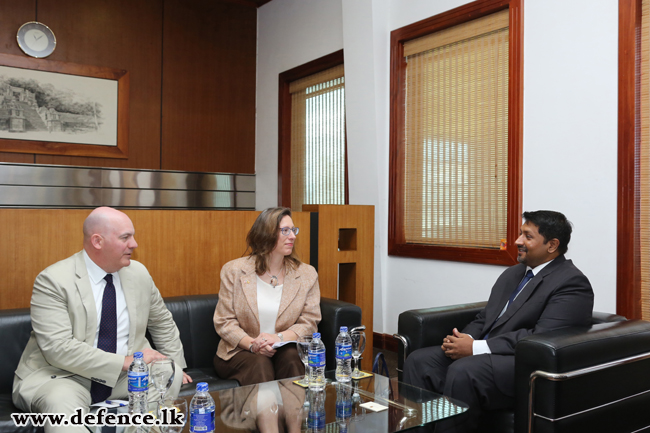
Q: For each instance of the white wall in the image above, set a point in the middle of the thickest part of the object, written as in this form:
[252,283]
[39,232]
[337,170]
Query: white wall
[289,34]
[570,142]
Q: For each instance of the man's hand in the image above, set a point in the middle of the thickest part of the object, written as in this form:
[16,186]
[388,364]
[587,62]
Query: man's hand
[148,355]
[186,378]
[458,345]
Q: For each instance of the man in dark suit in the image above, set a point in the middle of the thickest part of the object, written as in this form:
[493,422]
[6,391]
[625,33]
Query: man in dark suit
[544,292]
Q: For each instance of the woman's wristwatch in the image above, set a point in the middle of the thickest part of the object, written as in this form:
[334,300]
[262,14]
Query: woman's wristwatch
[250,348]
[280,336]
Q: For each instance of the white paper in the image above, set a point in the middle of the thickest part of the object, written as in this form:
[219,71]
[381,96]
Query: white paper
[281,343]
[110,403]
[373,406]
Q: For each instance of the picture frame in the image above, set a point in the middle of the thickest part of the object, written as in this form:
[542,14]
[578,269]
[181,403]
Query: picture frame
[60,108]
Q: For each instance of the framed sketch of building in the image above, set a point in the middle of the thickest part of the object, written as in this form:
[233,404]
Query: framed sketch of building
[62,108]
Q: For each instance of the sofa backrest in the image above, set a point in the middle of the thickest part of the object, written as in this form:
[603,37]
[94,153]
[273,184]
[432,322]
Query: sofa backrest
[15,329]
[194,318]
[192,314]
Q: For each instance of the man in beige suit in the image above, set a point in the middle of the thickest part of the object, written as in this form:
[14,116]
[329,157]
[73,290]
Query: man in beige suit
[64,366]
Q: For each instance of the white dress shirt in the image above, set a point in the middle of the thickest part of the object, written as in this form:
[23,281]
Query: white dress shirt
[97,284]
[480,347]
[268,305]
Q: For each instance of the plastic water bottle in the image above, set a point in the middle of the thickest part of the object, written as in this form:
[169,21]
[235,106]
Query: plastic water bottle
[343,356]
[316,363]
[343,407]
[316,415]
[138,384]
[202,410]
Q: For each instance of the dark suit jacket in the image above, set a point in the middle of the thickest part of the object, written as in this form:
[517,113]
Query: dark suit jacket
[558,296]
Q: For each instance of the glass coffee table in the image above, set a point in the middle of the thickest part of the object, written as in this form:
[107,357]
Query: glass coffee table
[283,406]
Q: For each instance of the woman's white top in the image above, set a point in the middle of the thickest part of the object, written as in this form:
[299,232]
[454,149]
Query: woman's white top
[268,304]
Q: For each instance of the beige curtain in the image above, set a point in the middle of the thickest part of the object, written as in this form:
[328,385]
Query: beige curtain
[318,139]
[456,135]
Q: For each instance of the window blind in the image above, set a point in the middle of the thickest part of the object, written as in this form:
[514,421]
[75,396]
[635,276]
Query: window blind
[643,159]
[456,135]
[318,139]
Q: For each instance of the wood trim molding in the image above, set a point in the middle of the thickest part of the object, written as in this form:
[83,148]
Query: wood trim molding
[384,342]
[284,119]
[396,239]
[628,278]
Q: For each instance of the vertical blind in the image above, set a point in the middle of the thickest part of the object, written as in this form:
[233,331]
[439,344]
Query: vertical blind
[456,135]
[644,162]
[318,139]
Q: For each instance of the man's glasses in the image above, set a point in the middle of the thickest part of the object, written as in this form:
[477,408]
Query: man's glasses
[286,230]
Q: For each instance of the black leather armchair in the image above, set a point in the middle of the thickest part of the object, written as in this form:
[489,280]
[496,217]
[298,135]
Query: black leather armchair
[592,379]
[193,316]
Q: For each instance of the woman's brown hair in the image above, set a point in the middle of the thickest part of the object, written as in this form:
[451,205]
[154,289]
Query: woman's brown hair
[263,237]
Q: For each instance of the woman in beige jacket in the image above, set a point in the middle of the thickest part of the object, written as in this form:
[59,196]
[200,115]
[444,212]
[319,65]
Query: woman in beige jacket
[265,299]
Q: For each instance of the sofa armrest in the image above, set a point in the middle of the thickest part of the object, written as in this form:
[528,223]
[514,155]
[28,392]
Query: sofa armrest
[599,317]
[606,350]
[334,314]
[428,326]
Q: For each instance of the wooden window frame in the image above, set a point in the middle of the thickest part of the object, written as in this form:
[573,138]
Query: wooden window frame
[284,122]
[396,239]
[628,265]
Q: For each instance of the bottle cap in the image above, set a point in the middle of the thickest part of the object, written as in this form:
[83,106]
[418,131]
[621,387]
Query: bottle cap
[344,329]
[316,335]
[137,355]
[202,386]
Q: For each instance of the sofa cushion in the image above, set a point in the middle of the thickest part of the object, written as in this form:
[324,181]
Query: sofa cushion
[6,422]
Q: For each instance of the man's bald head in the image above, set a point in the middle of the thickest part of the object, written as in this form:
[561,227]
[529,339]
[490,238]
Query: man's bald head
[99,220]
[109,238]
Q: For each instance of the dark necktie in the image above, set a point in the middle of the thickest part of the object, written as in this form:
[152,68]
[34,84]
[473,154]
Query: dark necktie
[521,285]
[107,340]
[513,295]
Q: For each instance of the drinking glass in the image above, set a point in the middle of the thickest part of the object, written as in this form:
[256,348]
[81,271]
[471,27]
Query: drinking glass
[358,345]
[180,406]
[302,344]
[162,374]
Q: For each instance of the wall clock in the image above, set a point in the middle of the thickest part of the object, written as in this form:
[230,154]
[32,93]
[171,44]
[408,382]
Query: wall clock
[36,39]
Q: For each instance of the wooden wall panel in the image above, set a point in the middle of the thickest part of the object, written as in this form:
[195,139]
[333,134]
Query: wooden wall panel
[120,34]
[31,241]
[202,52]
[183,250]
[209,86]
[13,14]
[346,251]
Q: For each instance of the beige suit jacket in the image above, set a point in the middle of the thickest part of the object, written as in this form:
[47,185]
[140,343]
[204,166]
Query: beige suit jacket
[64,322]
[236,314]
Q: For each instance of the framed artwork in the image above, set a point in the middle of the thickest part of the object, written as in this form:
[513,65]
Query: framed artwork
[59,108]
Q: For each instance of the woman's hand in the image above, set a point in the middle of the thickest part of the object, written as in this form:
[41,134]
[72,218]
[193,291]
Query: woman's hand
[263,344]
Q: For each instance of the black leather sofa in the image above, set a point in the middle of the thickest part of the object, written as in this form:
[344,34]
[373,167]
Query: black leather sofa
[193,316]
[592,379]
